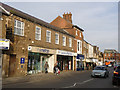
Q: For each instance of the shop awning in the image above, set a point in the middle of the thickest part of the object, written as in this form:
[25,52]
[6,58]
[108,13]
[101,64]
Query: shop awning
[89,60]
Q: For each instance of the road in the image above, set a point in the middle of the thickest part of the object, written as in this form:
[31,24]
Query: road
[77,80]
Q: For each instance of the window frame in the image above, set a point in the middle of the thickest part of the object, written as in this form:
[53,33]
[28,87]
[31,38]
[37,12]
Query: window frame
[76,32]
[37,33]
[16,27]
[70,42]
[64,43]
[48,36]
[56,39]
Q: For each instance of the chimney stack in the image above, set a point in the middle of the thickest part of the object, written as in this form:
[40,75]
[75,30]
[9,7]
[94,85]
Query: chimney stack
[68,17]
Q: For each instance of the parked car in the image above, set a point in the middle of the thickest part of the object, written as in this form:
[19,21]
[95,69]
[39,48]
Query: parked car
[100,71]
[116,76]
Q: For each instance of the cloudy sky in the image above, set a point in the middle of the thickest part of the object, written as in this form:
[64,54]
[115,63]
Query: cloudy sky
[98,19]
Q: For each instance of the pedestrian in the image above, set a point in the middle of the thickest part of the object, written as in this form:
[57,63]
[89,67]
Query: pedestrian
[56,69]
[46,66]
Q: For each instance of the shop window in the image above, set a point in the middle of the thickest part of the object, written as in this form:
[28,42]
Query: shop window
[38,33]
[70,42]
[56,38]
[48,36]
[18,27]
[64,41]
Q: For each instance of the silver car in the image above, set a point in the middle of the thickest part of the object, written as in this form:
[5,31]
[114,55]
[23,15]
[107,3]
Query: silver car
[100,71]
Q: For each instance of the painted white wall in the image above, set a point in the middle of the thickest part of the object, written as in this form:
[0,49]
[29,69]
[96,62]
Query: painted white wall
[90,51]
[51,63]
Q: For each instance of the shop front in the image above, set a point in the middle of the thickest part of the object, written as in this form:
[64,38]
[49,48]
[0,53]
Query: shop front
[37,57]
[80,62]
[65,60]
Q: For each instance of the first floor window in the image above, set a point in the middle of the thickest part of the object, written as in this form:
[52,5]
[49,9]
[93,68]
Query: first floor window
[18,27]
[38,33]
[70,42]
[78,46]
[56,38]
[48,36]
[64,41]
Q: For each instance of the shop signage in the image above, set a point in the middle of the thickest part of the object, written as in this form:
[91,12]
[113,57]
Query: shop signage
[4,44]
[40,50]
[66,53]
[22,60]
[79,56]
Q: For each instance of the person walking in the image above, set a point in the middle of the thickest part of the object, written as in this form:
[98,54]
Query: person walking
[56,69]
[46,66]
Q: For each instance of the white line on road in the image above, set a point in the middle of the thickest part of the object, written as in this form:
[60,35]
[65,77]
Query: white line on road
[79,83]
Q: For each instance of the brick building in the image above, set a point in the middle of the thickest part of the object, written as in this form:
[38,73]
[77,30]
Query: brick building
[32,43]
[65,23]
[111,54]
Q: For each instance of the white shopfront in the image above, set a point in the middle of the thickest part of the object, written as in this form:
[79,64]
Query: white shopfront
[37,57]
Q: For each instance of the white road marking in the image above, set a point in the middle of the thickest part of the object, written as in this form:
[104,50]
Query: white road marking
[79,83]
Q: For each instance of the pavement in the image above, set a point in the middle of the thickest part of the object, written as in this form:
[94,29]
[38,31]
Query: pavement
[38,77]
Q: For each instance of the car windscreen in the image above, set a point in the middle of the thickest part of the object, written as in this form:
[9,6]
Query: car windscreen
[99,68]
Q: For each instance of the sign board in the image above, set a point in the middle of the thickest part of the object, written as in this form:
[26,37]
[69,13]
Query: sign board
[66,53]
[4,44]
[40,50]
[22,60]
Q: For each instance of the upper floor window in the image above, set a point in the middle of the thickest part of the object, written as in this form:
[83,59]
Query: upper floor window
[64,41]
[48,36]
[80,34]
[70,42]
[18,27]
[78,46]
[76,32]
[56,38]
[38,33]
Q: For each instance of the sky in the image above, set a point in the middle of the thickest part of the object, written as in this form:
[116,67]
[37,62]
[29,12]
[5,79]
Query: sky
[98,19]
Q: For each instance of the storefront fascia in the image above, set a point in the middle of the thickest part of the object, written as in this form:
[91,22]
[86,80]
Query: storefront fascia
[67,53]
[44,54]
[79,61]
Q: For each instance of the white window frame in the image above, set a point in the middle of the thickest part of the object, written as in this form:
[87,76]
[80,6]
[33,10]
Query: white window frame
[36,33]
[49,40]
[70,42]
[64,41]
[18,30]
[56,39]
[76,32]
[80,34]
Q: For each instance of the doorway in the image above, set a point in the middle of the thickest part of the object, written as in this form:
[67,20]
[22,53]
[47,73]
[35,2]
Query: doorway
[12,65]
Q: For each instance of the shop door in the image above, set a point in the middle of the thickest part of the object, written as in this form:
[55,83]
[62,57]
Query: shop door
[12,65]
